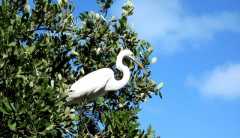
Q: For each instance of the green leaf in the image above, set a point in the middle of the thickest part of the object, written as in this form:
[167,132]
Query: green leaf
[100,100]
[59,76]
[12,44]
[74,117]
[160,85]
[3,110]
[7,105]
[75,53]
[13,107]
[128,8]
[50,127]
[12,125]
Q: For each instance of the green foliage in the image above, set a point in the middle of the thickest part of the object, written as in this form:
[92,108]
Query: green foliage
[43,51]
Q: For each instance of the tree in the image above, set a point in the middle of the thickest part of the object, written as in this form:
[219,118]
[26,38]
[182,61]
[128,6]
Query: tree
[43,51]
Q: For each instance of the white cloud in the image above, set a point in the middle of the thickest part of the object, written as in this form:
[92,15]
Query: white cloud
[167,24]
[223,81]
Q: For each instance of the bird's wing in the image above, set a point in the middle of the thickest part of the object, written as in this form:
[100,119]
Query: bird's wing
[91,83]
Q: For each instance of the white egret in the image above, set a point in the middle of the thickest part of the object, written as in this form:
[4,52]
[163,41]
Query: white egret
[101,81]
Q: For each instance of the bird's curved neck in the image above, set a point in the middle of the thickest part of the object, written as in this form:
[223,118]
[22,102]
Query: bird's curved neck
[114,84]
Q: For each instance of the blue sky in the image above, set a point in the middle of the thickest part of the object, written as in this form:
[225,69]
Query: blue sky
[198,51]
[197,45]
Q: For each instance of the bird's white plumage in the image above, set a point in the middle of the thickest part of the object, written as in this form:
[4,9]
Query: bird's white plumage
[97,83]
[90,84]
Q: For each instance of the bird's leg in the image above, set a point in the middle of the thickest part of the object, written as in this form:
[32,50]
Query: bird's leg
[94,106]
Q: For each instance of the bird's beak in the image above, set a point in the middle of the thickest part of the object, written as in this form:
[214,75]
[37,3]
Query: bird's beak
[136,61]
[139,63]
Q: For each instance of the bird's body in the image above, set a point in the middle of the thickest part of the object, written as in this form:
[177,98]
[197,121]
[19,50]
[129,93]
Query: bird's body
[83,88]
[99,82]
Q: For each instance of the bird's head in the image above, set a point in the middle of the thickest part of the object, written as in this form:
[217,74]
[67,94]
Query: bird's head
[129,54]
